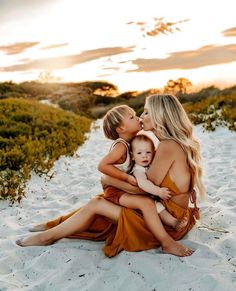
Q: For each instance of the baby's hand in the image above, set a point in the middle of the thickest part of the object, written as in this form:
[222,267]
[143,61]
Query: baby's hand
[131,180]
[164,193]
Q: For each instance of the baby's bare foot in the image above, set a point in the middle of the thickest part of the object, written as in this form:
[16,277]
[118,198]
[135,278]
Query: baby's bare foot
[38,227]
[181,223]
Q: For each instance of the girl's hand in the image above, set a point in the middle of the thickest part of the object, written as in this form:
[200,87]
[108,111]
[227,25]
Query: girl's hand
[164,193]
[130,179]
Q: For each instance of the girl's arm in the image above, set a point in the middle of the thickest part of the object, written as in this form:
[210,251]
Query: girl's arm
[126,187]
[162,162]
[150,187]
[106,165]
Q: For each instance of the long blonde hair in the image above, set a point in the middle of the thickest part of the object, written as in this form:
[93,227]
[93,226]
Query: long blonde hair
[170,121]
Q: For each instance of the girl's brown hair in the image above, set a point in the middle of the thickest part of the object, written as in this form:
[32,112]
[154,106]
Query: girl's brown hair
[113,119]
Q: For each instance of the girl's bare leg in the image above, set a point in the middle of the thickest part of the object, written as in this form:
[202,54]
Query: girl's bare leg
[78,222]
[153,222]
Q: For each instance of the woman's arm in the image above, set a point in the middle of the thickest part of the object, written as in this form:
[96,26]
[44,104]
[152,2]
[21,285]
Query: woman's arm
[126,187]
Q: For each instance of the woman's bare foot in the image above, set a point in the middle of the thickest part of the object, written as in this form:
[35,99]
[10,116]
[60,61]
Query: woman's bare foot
[38,227]
[181,223]
[175,248]
[33,240]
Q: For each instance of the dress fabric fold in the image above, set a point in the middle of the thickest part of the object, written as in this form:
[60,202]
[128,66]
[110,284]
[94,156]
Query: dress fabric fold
[130,233]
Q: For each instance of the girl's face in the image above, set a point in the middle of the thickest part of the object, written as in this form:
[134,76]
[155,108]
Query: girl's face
[142,152]
[131,123]
[146,119]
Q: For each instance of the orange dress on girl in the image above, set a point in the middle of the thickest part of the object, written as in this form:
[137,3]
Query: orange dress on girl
[130,232]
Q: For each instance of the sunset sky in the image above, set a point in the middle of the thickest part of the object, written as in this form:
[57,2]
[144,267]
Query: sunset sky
[116,41]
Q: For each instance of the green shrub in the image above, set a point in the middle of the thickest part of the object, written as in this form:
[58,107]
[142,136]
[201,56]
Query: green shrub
[213,111]
[32,137]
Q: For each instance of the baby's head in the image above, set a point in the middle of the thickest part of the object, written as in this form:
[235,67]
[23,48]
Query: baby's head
[142,148]
[115,118]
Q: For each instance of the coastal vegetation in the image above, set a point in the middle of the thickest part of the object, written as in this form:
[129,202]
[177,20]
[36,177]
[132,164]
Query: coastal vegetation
[214,111]
[33,135]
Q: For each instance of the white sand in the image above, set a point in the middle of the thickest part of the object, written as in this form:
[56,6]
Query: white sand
[81,265]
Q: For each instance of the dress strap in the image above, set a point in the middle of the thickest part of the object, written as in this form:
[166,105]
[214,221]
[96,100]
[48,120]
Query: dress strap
[193,199]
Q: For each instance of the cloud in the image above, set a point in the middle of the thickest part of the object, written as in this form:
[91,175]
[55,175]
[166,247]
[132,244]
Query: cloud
[17,48]
[67,61]
[54,46]
[205,56]
[229,32]
[156,26]
[111,68]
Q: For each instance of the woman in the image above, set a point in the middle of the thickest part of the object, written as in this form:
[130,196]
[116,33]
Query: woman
[176,165]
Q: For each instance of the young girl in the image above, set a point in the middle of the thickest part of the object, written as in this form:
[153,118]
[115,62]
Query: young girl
[143,150]
[121,124]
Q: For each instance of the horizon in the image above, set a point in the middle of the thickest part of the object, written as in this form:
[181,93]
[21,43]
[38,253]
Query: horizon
[192,89]
[133,48]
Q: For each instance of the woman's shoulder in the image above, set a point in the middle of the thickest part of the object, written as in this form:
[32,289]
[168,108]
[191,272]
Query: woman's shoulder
[170,146]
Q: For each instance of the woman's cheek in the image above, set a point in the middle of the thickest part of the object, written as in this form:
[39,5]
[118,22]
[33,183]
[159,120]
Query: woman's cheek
[147,125]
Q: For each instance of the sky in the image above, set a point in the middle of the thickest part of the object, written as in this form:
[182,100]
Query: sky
[136,45]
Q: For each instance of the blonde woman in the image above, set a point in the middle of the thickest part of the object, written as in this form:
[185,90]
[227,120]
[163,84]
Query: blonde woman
[176,166]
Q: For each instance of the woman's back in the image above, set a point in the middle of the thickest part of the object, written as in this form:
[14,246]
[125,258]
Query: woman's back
[179,171]
[170,159]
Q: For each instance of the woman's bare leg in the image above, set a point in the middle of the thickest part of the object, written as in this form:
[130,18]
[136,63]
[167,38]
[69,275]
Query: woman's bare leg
[153,222]
[38,227]
[78,222]
[81,220]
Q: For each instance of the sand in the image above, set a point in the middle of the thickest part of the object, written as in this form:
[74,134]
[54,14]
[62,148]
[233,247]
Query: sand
[72,264]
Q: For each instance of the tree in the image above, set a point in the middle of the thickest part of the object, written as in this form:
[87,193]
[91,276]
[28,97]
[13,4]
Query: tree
[47,77]
[178,87]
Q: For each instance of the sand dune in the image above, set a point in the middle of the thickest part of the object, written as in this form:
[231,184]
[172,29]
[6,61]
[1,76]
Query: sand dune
[81,265]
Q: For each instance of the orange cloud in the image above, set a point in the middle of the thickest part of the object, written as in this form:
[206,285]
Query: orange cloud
[17,48]
[54,46]
[158,26]
[205,56]
[67,61]
[230,32]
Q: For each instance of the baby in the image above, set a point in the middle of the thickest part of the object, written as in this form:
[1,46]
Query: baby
[142,148]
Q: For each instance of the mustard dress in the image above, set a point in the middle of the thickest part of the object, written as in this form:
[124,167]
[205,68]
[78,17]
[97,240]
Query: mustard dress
[130,232]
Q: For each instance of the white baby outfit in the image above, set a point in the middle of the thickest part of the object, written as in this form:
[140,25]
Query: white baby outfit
[159,205]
